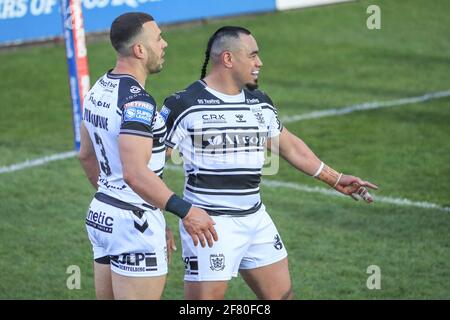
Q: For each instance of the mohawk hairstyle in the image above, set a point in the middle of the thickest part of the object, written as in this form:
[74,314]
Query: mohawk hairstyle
[226,31]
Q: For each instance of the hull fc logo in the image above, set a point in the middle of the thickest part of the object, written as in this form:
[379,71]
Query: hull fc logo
[217,262]
[135,262]
[277,243]
[257,112]
[259,117]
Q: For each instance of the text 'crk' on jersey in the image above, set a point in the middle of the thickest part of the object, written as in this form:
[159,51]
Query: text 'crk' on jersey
[222,141]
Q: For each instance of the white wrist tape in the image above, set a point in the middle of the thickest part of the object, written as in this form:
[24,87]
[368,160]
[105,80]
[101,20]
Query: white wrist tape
[337,181]
[319,170]
[328,175]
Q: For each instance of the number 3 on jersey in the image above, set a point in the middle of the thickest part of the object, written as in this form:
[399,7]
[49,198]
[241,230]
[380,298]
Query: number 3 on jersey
[104,165]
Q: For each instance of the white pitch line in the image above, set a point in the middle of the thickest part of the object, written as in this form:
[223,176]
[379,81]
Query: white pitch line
[365,106]
[37,162]
[267,183]
[293,118]
[331,192]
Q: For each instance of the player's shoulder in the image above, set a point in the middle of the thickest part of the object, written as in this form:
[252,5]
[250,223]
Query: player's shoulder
[131,92]
[182,100]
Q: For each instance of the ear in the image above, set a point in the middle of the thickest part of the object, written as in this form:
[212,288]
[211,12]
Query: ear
[138,50]
[227,59]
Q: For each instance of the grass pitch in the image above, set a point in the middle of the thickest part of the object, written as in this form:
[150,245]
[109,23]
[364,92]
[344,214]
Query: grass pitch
[314,59]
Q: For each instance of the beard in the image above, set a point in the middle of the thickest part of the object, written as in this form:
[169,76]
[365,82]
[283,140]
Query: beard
[154,64]
[252,86]
[155,68]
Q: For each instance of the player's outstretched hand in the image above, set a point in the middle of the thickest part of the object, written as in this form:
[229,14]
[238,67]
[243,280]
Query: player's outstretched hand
[355,187]
[200,227]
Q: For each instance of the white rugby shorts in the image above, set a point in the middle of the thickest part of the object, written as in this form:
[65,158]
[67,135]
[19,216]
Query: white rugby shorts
[246,242]
[134,242]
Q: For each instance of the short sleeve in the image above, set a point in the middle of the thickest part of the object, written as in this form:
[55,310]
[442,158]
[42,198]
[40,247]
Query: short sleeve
[275,125]
[138,118]
[173,114]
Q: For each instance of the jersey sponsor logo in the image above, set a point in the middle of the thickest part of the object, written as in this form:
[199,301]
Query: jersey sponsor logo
[95,119]
[217,262]
[136,262]
[191,265]
[135,89]
[277,242]
[100,221]
[214,118]
[240,118]
[215,140]
[107,84]
[165,113]
[252,100]
[255,139]
[138,111]
[98,103]
[208,101]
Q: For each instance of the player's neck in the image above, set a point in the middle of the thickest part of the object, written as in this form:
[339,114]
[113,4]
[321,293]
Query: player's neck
[222,84]
[123,66]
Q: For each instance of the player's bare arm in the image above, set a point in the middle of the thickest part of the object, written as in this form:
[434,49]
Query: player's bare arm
[87,157]
[135,153]
[301,157]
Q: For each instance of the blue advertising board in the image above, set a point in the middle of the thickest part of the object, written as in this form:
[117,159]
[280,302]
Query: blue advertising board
[34,20]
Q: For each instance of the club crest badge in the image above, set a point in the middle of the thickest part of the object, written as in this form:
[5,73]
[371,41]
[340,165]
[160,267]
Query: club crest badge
[257,112]
[217,262]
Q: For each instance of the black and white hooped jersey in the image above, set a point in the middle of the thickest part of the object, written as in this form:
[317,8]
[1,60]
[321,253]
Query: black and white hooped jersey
[222,140]
[118,104]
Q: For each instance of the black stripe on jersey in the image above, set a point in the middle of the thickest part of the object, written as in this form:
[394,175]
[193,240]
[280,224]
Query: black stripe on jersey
[231,170]
[157,172]
[159,149]
[118,112]
[228,149]
[115,202]
[212,109]
[266,106]
[222,193]
[201,130]
[157,143]
[218,182]
[232,212]
[149,206]
[160,132]
[136,133]
[169,144]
